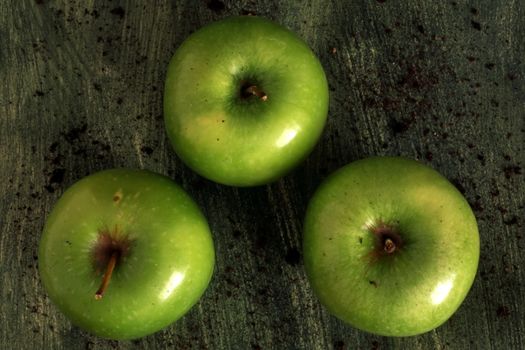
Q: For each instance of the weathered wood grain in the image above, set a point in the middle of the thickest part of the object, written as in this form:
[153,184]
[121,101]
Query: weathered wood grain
[442,81]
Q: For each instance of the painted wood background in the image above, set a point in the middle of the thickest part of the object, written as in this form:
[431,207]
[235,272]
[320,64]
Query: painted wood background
[81,87]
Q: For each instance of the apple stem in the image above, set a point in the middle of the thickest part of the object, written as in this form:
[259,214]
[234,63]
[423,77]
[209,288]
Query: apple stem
[254,90]
[389,246]
[107,276]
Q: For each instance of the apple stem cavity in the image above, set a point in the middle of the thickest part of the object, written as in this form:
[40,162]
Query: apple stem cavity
[388,241]
[248,90]
[107,275]
[110,248]
[389,246]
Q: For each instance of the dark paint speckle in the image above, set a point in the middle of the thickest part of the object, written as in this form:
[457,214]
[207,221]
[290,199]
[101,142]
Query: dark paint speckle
[476,206]
[475,25]
[481,158]
[118,11]
[146,150]
[399,126]
[293,257]
[57,176]
[53,147]
[511,170]
[74,133]
[216,5]
[503,311]
[511,221]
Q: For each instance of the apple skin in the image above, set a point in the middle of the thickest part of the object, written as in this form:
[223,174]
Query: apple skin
[244,141]
[419,286]
[168,267]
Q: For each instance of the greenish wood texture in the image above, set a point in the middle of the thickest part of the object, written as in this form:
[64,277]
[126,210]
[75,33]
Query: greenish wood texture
[442,81]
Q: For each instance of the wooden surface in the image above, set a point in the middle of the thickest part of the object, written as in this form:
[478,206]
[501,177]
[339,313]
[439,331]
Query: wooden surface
[81,87]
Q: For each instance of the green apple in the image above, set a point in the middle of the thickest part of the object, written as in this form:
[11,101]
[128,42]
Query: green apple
[245,101]
[125,253]
[390,246]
